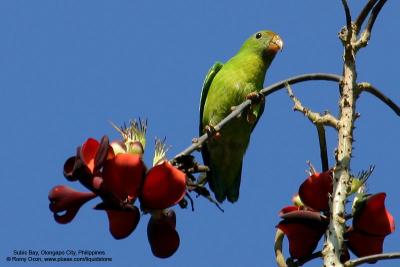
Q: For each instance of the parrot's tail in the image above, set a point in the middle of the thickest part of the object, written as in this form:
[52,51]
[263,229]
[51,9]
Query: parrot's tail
[225,185]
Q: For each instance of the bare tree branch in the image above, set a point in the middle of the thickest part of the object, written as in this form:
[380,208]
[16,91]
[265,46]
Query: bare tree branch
[348,15]
[366,35]
[301,78]
[279,257]
[372,258]
[374,15]
[367,87]
[322,147]
[317,119]
[266,91]
[363,15]
[346,33]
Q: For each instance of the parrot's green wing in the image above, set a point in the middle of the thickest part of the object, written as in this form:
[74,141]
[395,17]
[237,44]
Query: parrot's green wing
[204,91]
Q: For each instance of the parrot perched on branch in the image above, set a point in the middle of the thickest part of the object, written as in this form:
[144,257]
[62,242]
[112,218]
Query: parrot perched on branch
[226,86]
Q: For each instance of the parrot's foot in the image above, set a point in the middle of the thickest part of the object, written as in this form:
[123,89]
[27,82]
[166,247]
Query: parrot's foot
[256,97]
[211,132]
[251,118]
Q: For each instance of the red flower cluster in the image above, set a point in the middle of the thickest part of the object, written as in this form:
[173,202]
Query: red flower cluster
[372,222]
[119,176]
[304,225]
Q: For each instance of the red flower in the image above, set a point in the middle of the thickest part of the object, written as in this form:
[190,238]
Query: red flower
[372,222]
[314,191]
[122,222]
[115,177]
[163,238]
[69,169]
[88,152]
[164,186]
[303,228]
[288,209]
[303,225]
[98,168]
[362,244]
[123,175]
[88,161]
[65,199]
[373,217]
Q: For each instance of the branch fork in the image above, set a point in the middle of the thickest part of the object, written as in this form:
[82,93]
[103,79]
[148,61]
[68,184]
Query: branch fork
[316,118]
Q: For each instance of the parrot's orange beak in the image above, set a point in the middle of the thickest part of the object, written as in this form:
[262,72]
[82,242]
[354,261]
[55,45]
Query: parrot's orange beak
[276,44]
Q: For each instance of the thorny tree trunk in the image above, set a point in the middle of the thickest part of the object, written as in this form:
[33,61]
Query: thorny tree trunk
[333,246]
[342,179]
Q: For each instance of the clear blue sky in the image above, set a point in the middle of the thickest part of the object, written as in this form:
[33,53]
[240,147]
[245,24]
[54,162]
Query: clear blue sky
[67,67]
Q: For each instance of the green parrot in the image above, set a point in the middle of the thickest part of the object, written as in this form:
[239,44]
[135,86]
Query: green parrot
[226,86]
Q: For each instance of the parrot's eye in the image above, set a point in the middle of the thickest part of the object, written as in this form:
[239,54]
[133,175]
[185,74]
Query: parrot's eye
[258,35]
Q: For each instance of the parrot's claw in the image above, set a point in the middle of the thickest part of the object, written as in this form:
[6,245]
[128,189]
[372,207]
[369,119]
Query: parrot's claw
[233,108]
[256,97]
[211,132]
